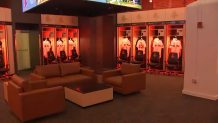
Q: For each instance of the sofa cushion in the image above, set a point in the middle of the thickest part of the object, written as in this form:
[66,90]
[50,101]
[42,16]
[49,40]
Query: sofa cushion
[24,84]
[57,81]
[70,68]
[77,78]
[115,81]
[49,71]
[130,68]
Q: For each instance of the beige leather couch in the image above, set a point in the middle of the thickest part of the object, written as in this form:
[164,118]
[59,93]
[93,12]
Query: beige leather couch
[31,100]
[62,74]
[127,80]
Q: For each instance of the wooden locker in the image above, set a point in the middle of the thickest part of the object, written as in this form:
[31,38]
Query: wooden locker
[124,18]
[140,16]
[47,19]
[7,15]
[157,15]
[175,14]
[2,13]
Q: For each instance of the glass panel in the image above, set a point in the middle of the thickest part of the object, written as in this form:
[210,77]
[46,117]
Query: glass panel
[23,53]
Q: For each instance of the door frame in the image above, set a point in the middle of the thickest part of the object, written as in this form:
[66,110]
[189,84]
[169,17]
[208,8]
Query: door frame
[22,26]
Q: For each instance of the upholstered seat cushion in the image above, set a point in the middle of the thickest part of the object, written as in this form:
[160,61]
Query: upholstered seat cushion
[67,61]
[115,81]
[77,78]
[152,64]
[170,66]
[136,62]
[56,81]
[121,61]
[127,68]
[48,71]
[70,68]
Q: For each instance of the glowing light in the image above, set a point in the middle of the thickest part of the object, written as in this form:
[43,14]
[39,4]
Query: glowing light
[78,89]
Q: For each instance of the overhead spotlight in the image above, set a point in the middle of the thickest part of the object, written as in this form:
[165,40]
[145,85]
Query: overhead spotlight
[150,1]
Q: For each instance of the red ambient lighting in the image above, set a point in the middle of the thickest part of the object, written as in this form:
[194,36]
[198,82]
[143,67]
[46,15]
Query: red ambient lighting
[78,89]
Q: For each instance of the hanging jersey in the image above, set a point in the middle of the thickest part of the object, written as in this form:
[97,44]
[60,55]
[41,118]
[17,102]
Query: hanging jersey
[46,48]
[176,47]
[157,46]
[141,45]
[72,45]
[125,44]
[60,47]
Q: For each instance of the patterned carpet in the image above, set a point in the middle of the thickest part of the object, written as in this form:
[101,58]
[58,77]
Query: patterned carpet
[161,102]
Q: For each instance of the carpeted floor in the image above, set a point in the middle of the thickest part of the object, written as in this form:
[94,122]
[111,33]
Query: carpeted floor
[161,102]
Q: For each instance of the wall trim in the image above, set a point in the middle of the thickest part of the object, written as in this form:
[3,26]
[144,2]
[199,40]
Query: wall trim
[200,95]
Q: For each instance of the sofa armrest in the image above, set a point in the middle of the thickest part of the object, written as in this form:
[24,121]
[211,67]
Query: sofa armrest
[133,82]
[38,84]
[110,73]
[13,99]
[87,72]
[34,77]
[42,102]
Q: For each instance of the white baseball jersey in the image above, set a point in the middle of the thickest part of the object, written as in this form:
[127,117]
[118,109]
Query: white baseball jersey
[141,45]
[72,45]
[176,46]
[125,44]
[46,48]
[157,46]
[60,47]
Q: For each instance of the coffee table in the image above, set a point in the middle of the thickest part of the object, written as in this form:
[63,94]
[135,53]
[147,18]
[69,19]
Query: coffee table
[88,93]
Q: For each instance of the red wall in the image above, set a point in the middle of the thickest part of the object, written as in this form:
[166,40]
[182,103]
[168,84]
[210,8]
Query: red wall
[161,4]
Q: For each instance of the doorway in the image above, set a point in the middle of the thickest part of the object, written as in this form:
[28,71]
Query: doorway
[27,47]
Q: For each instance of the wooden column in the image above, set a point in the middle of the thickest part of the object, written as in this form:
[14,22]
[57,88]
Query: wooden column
[97,42]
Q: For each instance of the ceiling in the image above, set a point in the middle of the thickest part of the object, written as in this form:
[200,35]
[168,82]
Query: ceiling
[78,8]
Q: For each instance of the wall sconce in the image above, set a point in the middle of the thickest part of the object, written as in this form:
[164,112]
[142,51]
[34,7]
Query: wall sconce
[150,1]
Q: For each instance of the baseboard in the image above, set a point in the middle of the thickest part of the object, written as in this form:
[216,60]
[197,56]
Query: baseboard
[200,95]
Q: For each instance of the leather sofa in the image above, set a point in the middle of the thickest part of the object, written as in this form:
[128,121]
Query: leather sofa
[62,74]
[31,100]
[128,79]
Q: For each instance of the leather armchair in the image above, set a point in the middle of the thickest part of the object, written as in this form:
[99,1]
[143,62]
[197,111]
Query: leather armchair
[127,80]
[31,100]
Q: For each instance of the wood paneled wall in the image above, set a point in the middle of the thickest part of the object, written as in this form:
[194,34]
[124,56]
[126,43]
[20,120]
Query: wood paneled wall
[97,42]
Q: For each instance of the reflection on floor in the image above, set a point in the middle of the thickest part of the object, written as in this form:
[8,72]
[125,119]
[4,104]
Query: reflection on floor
[161,102]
